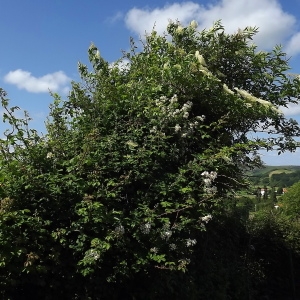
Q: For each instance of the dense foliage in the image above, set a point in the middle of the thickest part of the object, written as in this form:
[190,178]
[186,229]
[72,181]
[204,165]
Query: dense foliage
[125,196]
[291,201]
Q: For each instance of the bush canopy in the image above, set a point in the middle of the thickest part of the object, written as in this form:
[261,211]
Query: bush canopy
[137,162]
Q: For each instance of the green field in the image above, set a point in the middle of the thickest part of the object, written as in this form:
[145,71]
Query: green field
[283,176]
[274,170]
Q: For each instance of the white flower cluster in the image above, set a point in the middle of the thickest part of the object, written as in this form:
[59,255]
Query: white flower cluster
[206,218]
[227,89]
[154,250]
[161,101]
[208,180]
[184,262]
[209,177]
[170,107]
[200,58]
[194,24]
[171,110]
[49,155]
[210,190]
[212,175]
[190,242]
[119,230]
[173,246]
[177,128]
[252,99]
[200,118]
[153,129]
[92,253]
[166,232]
[145,228]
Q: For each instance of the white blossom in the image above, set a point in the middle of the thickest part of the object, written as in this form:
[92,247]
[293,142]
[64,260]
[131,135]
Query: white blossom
[157,102]
[190,242]
[248,97]
[177,128]
[213,175]
[186,106]
[211,190]
[163,99]
[179,29]
[49,155]
[207,181]
[153,129]
[119,230]
[166,234]
[194,24]
[145,228]
[174,99]
[227,89]
[154,250]
[200,58]
[200,118]
[186,115]
[205,173]
[206,218]
[173,246]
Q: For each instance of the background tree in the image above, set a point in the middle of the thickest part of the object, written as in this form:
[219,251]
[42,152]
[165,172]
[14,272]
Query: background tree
[136,165]
[280,190]
[273,194]
[265,191]
[291,202]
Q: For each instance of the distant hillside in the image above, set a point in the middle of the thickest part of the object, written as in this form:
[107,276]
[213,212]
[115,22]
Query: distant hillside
[283,176]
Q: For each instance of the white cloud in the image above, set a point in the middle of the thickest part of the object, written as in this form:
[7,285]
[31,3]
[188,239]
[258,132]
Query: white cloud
[292,110]
[117,17]
[121,64]
[293,46]
[139,20]
[57,81]
[275,25]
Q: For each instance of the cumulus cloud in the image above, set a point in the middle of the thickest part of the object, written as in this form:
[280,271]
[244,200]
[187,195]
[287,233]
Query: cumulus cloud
[291,110]
[293,46]
[121,64]
[141,20]
[117,17]
[275,25]
[57,81]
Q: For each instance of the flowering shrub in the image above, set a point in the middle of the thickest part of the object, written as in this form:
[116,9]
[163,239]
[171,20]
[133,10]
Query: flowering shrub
[136,161]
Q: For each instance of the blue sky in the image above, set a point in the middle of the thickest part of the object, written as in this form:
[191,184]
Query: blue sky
[42,41]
